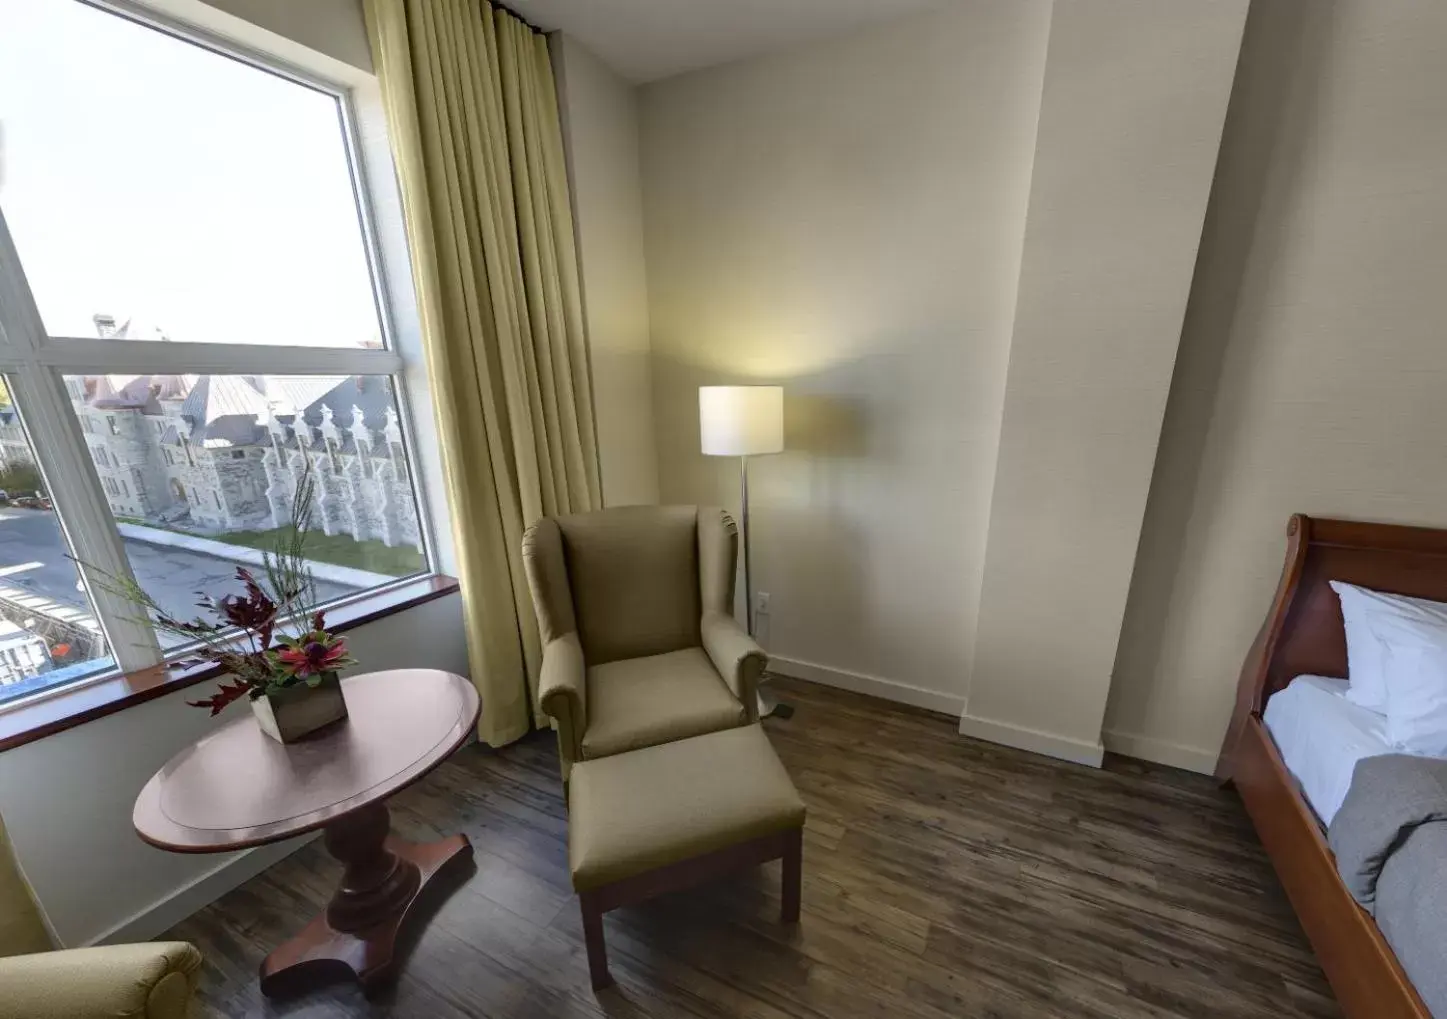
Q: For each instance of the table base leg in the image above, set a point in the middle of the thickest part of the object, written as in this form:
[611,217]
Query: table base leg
[359,929]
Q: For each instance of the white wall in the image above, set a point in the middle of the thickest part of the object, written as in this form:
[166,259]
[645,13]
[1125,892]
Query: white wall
[1130,122]
[67,799]
[1314,362]
[600,133]
[845,219]
[334,28]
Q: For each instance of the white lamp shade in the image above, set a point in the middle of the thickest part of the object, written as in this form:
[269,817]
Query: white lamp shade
[741,420]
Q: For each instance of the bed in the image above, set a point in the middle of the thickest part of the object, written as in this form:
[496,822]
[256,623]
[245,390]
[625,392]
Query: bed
[1321,736]
[1303,636]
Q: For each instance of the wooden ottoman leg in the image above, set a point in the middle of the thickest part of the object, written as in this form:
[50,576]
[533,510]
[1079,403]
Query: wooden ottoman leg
[793,875]
[593,939]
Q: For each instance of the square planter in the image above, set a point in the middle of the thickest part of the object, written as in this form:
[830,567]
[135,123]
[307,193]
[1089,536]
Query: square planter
[293,713]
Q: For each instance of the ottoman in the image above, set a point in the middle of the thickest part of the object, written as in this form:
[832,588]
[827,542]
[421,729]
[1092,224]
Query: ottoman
[668,817]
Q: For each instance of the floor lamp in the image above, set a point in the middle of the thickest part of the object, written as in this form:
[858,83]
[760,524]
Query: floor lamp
[743,421]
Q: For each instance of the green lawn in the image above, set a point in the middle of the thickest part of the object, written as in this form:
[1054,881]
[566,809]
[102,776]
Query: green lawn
[337,549]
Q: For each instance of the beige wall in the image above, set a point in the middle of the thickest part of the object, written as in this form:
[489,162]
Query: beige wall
[324,36]
[600,129]
[845,219]
[333,27]
[1134,99]
[1314,363]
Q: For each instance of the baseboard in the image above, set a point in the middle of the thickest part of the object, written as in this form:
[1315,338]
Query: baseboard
[1146,748]
[166,912]
[874,686]
[1033,740]
[1159,751]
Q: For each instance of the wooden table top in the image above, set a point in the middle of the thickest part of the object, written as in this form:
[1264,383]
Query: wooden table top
[237,787]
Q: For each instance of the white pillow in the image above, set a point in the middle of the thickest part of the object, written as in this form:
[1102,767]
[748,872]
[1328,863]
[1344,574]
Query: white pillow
[1397,658]
[1366,656]
[1366,651]
[1416,666]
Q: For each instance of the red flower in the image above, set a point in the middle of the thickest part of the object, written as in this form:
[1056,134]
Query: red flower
[313,655]
[227,693]
[252,612]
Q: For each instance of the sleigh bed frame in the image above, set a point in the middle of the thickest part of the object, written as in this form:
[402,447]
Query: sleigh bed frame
[1303,635]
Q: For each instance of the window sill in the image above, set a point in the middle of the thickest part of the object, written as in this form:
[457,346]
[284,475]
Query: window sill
[83,702]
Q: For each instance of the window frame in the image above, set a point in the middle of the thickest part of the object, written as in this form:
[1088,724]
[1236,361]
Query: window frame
[36,362]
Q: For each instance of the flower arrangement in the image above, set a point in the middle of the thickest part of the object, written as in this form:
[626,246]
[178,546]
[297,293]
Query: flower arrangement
[263,660]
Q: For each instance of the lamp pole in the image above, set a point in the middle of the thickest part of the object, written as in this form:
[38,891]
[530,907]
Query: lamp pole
[748,574]
[743,421]
[769,703]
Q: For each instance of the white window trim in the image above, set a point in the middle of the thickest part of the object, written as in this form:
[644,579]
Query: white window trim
[38,361]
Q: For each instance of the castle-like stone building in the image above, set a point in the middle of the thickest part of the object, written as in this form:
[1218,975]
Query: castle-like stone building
[219,453]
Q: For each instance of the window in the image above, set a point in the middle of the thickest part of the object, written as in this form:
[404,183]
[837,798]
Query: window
[219,295]
[48,630]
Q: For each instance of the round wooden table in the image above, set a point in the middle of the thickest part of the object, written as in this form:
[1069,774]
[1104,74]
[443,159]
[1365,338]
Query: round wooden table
[237,787]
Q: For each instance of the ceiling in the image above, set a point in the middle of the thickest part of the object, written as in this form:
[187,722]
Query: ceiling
[644,40]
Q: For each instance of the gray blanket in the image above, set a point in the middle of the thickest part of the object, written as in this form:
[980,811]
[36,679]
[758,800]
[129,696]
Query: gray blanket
[1390,841]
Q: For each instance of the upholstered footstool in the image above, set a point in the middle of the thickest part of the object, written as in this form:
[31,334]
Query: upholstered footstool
[668,817]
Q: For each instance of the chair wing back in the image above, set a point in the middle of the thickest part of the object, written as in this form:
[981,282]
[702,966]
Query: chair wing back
[547,572]
[718,554]
[634,576]
[22,931]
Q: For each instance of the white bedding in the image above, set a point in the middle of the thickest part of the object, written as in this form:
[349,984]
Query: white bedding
[1321,736]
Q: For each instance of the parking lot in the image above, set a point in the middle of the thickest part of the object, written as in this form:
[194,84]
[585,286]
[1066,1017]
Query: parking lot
[33,558]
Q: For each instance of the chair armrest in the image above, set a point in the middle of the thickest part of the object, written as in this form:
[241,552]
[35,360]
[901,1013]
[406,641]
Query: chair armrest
[738,659]
[154,980]
[563,695]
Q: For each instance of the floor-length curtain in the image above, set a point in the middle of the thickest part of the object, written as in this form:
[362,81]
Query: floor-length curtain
[472,112]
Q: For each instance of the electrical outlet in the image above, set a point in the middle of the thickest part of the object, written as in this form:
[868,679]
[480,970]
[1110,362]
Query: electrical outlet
[761,603]
[761,628]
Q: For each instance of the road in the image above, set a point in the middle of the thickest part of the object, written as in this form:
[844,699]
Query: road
[171,576]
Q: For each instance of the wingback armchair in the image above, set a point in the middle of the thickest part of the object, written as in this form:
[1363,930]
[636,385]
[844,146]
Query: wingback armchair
[640,645]
[155,980]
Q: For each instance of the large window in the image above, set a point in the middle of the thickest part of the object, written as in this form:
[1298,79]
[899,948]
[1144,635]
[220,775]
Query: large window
[191,321]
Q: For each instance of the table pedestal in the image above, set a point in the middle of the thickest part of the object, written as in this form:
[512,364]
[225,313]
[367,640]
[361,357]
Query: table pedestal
[384,878]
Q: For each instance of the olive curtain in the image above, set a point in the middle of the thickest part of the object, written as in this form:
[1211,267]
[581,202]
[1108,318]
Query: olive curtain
[472,112]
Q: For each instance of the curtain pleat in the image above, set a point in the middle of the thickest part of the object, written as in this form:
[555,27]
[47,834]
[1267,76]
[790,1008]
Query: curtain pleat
[472,110]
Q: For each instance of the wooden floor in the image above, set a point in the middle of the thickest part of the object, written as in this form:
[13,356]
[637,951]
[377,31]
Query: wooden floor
[943,878]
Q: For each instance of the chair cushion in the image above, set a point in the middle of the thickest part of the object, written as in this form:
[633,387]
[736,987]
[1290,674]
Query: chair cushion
[641,702]
[633,572]
[637,812]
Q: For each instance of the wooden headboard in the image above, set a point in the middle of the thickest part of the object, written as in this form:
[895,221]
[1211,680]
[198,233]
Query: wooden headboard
[1303,631]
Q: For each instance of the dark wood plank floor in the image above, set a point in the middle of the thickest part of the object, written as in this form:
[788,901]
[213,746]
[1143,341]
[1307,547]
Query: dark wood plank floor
[943,878]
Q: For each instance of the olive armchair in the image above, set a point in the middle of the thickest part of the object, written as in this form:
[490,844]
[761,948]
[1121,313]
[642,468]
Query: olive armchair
[640,645]
[155,980]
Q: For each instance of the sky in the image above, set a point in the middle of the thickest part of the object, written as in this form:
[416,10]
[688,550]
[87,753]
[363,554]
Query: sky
[149,179]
